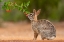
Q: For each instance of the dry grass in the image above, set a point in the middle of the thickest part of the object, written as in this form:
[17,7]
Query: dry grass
[22,32]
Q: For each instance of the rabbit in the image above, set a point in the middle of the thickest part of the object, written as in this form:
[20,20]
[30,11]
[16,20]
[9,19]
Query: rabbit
[43,27]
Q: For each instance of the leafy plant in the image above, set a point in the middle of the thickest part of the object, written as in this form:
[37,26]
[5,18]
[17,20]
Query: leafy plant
[8,6]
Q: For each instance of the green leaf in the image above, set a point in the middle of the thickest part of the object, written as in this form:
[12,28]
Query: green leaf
[21,5]
[28,3]
[24,10]
[16,5]
[19,8]
[25,5]
[5,5]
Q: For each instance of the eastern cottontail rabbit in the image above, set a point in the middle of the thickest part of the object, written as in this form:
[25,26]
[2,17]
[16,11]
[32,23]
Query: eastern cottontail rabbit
[43,27]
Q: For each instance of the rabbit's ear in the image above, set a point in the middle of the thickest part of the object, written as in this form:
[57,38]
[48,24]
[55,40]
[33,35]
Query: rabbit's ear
[38,12]
[34,11]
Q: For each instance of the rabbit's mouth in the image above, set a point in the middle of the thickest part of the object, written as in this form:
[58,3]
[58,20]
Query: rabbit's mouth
[30,18]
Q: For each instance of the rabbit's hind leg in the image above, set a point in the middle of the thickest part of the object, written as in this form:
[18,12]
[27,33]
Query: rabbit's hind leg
[42,36]
[35,36]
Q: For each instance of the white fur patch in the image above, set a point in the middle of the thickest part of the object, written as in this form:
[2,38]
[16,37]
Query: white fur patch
[51,38]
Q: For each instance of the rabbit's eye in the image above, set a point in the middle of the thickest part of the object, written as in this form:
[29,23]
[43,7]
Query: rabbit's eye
[30,14]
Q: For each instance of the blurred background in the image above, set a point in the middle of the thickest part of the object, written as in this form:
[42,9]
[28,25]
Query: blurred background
[16,25]
[50,9]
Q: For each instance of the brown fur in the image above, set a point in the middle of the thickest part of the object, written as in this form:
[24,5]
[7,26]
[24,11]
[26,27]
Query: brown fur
[43,27]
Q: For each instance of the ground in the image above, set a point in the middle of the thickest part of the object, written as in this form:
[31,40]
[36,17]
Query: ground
[23,31]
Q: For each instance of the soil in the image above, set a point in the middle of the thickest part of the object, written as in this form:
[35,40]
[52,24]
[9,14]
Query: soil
[22,31]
